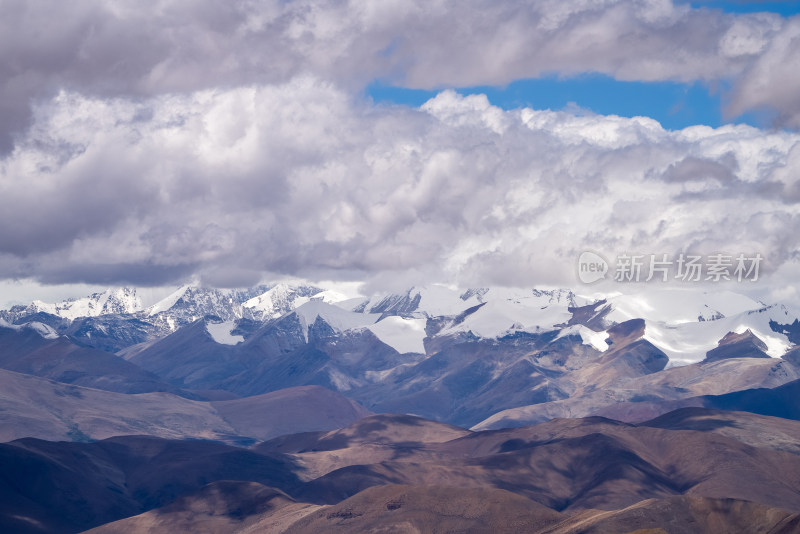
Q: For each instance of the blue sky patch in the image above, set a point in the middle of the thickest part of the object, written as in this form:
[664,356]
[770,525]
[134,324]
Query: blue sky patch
[674,105]
[786,8]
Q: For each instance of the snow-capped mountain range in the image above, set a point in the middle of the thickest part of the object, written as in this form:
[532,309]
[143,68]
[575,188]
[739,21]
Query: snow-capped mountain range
[456,355]
[684,324]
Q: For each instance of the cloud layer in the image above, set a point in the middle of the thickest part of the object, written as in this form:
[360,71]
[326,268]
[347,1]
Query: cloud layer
[302,178]
[134,49]
[228,140]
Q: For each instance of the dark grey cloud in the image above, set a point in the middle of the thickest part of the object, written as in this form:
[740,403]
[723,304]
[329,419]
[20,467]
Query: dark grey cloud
[128,274]
[771,82]
[692,169]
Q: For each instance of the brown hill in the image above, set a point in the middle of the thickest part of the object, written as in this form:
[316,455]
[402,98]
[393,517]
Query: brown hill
[690,471]
[411,509]
[752,429]
[230,507]
[569,465]
[374,439]
[218,508]
[683,515]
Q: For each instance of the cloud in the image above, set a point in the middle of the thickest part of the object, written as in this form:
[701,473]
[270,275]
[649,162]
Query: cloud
[227,140]
[772,82]
[304,179]
[132,50]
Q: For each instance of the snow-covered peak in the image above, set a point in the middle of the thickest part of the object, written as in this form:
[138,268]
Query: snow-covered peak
[676,306]
[426,301]
[112,301]
[169,301]
[283,298]
[122,300]
[192,301]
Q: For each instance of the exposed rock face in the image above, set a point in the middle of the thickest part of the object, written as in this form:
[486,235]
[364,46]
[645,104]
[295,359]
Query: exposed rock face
[733,345]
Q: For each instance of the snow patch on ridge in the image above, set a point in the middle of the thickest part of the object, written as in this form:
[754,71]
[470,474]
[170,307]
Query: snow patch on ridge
[221,333]
[515,312]
[42,329]
[341,381]
[402,334]
[589,337]
[339,319]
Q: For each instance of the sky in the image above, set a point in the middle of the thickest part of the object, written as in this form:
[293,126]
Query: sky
[394,142]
